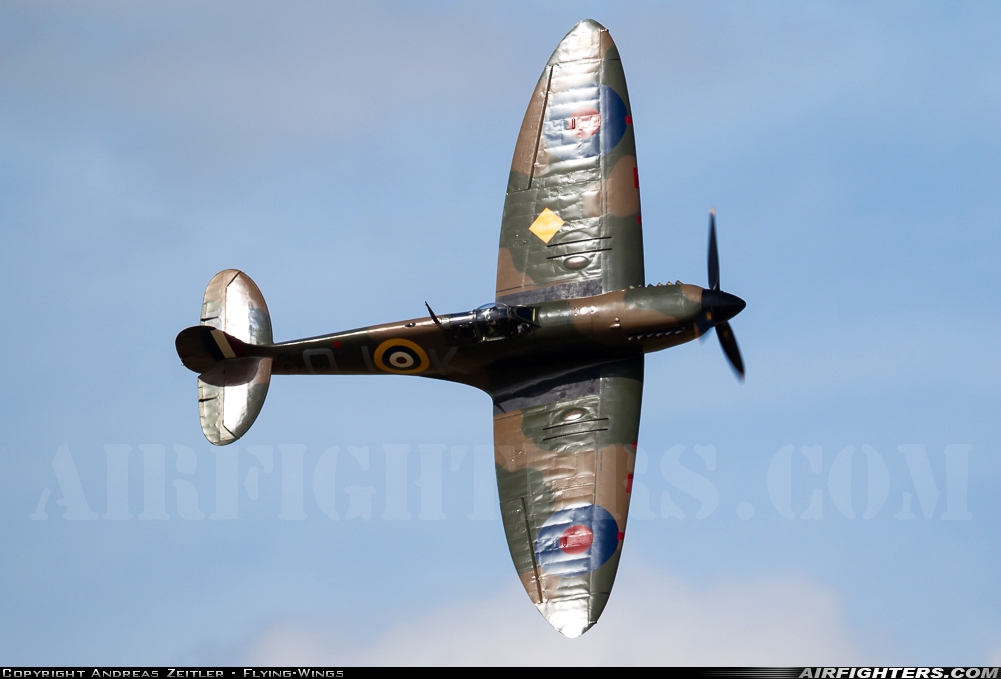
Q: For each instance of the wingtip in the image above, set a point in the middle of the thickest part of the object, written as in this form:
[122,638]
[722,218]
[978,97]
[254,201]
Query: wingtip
[573,617]
[569,618]
[586,40]
[590,24]
[574,632]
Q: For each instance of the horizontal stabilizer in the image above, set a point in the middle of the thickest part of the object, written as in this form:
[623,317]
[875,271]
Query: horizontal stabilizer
[233,377]
[230,397]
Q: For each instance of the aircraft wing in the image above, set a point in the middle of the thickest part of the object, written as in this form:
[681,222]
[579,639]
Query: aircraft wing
[564,450]
[571,225]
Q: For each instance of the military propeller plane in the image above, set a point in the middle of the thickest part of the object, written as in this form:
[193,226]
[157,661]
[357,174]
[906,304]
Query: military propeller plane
[560,350]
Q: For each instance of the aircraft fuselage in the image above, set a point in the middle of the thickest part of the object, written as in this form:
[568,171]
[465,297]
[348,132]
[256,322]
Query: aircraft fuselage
[455,347]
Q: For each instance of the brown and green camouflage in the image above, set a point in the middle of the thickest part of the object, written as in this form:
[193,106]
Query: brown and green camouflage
[560,350]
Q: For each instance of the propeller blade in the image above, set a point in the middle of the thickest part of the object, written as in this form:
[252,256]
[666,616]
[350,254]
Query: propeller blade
[713,254]
[729,344]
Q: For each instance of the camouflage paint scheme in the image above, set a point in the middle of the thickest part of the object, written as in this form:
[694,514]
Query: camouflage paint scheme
[560,351]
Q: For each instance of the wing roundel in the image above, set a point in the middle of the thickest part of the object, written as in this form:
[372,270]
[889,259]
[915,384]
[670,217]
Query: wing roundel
[565,448]
[571,225]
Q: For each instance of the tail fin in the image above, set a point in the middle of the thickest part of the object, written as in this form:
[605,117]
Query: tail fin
[232,384]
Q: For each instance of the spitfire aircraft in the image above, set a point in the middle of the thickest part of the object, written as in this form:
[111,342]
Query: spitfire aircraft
[560,350]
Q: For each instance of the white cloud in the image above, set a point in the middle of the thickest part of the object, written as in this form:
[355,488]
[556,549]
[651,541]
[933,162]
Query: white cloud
[995,658]
[651,619]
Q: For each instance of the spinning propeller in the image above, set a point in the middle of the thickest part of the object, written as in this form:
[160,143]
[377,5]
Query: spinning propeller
[719,307]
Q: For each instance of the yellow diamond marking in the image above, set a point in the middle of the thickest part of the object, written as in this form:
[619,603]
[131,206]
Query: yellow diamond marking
[546,225]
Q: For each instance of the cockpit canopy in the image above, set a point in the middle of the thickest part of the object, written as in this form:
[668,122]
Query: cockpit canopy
[490,322]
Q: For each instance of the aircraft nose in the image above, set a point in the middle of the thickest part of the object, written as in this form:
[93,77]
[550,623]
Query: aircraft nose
[722,305]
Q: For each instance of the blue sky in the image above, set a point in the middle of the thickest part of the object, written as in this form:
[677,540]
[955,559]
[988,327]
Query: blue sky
[353,162]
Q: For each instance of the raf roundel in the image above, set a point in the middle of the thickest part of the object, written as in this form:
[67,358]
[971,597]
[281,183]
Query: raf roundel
[576,541]
[401,356]
[555,387]
[585,123]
